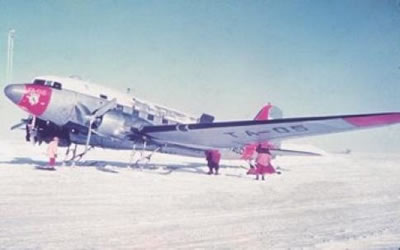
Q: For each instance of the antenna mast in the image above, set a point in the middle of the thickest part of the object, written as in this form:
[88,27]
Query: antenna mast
[10,56]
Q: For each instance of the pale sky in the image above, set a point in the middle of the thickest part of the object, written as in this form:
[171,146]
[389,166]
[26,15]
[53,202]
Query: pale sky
[226,58]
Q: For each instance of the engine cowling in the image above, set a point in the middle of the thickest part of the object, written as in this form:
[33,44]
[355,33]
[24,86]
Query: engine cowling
[118,124]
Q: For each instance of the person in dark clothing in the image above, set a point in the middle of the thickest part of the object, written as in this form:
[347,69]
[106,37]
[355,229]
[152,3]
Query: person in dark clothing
[213,157]
[28,132]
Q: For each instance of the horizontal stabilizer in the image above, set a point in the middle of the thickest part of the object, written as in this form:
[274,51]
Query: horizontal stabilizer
[285,152]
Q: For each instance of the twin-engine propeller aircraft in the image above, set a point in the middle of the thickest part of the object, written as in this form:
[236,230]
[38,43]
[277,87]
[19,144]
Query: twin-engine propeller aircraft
[79,112]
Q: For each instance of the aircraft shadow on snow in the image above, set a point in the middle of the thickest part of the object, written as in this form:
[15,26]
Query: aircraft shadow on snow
[156,168]
[24,160]
[104,166]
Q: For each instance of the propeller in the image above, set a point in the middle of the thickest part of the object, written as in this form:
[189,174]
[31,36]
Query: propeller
[20,124]
[81,112]
[29,124]
[96,114]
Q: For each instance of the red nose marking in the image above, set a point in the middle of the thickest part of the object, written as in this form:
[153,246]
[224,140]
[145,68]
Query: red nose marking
[36,98]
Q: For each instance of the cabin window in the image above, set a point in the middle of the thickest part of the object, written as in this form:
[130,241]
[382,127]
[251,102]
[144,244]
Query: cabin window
[150,117]
[103,96]
[164,121]
[39,82]
[57,85]
[135,113]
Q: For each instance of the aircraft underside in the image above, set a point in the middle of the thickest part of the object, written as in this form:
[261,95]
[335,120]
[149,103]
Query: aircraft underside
[44,131]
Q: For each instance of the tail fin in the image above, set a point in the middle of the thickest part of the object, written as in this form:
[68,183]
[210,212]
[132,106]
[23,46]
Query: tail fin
[268,112]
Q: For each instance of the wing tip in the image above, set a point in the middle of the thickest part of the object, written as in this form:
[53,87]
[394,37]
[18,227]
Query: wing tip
[374,120]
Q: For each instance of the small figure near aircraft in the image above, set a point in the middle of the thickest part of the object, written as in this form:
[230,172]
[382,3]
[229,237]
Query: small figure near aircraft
[52,152]
[213,157]
[83,113]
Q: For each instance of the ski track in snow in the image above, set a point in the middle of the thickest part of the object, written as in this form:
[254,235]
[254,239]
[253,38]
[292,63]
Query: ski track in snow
[330,202]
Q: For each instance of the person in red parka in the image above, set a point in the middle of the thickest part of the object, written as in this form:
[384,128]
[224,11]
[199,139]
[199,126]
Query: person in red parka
[263,163]
[213,157]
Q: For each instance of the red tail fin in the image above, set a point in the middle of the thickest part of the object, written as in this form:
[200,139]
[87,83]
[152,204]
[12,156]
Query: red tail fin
[266,113]
[263,114]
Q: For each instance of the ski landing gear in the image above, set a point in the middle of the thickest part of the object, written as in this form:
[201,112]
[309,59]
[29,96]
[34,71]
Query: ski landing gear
[75,157]
[143,158]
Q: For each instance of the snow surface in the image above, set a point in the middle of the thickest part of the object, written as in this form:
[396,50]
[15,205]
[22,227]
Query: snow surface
[329,202]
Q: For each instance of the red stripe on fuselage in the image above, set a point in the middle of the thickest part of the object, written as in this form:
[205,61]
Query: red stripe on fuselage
[36,98]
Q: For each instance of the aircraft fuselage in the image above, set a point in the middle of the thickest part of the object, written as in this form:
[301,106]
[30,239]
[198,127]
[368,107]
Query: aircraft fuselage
[66,114]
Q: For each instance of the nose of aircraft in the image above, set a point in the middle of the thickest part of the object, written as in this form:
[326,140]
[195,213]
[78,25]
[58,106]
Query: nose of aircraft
[15,92]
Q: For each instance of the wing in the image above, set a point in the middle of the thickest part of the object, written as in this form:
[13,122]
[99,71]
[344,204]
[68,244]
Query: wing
[239,133]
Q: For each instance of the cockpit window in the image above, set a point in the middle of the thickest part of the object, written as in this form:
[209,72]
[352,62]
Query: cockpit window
[39,82]
[49,83]
[57,85]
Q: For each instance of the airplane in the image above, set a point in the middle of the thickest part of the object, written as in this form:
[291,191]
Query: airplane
[85,113]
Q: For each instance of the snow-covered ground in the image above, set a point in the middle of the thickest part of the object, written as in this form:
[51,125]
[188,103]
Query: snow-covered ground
[331,202]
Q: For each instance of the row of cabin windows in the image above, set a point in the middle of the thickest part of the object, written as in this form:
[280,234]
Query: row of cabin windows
[151,118]
[136,113]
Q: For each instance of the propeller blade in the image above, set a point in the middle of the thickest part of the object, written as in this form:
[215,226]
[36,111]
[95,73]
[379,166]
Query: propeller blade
[105,108]
[81,112]
[18,125]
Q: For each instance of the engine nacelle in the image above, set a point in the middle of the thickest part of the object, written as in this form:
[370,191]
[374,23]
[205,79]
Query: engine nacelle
[44,131]
[118,124]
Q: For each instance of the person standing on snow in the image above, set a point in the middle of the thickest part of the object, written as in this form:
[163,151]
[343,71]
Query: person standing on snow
[213,157]
[52,151]
[263,163]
